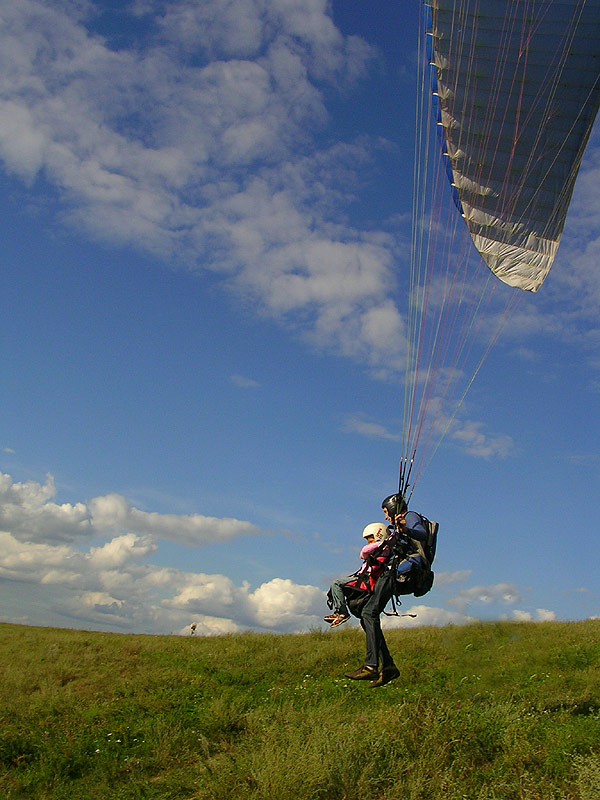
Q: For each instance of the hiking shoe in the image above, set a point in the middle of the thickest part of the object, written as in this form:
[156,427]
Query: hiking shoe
[363,673]
[339,619]
[329,617]
[386,674]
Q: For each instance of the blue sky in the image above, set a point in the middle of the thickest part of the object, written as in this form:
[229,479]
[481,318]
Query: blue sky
[205,216]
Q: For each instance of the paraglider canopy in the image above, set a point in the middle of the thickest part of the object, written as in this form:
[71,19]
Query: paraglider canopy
[518,87]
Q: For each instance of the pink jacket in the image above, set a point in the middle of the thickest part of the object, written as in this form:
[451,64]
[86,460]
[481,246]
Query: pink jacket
[374,570]
[368,548]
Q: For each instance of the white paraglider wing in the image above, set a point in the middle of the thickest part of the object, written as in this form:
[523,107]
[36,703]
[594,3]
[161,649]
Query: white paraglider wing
[518,85]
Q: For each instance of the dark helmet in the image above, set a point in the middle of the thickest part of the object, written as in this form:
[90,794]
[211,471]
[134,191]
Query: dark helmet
[395,504]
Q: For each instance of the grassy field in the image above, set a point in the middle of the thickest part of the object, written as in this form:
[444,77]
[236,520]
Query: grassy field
[503,711]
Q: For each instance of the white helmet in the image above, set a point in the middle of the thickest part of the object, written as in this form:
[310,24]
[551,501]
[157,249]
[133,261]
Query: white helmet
[376,529]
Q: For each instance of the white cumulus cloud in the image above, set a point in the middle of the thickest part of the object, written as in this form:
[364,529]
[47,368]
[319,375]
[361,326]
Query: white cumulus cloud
[113,586]
[114,513]
[27,511]
[418,615]
[540,615]
[212,162]
[501,593]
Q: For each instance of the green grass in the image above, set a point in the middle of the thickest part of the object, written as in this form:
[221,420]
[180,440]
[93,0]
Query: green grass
[497,711]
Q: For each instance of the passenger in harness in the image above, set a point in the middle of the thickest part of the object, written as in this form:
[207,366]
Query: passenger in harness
[365,577]
[405,528]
